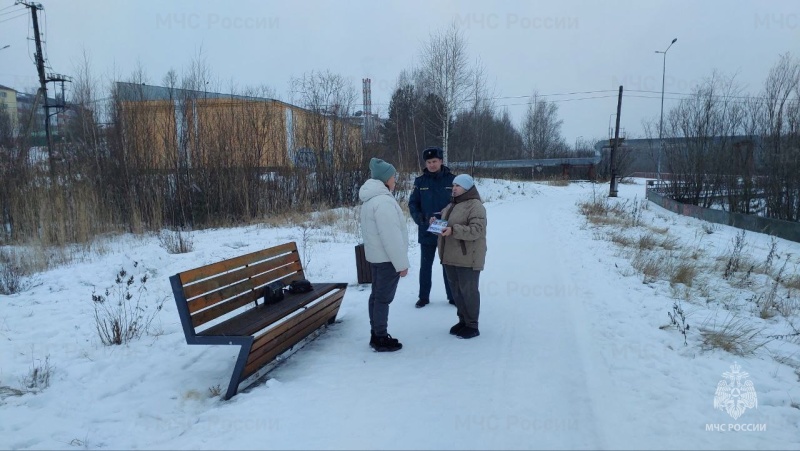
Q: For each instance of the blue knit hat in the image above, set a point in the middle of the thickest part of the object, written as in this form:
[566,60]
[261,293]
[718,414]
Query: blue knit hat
[381,170]
[464,181]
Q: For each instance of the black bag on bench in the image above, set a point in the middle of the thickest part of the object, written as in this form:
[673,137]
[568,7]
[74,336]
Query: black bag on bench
[273,292]
[300,286]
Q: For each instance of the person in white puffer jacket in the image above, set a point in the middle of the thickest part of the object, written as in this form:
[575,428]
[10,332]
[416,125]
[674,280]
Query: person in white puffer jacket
[385,234]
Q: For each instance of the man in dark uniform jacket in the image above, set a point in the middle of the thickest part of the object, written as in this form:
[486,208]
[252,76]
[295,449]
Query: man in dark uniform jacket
[432,192]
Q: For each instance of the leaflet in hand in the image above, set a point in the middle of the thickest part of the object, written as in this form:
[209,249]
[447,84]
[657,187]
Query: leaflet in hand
[437,226]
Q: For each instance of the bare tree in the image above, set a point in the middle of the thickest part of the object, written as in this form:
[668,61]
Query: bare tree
[482,109]
[446,74]
[705,163]
[541,128]
[332,97]
[777,119]
[331,131]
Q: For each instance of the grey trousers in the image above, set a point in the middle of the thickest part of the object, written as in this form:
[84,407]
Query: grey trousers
[384,285]
[464,285]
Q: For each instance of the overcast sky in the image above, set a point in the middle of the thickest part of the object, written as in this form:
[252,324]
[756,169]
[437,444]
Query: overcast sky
[555,47]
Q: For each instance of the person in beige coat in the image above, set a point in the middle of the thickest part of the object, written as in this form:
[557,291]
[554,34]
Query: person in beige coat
[462,251]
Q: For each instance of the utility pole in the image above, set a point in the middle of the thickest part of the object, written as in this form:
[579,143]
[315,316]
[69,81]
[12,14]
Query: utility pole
[613,187]
[35,7]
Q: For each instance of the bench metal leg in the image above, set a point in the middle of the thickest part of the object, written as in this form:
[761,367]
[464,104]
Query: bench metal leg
[238,369]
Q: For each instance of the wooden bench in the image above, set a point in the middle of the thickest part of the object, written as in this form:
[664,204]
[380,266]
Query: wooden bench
[223,304]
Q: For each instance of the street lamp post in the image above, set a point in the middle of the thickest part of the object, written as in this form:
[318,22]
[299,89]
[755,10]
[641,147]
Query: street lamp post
[661,121]
[576,142]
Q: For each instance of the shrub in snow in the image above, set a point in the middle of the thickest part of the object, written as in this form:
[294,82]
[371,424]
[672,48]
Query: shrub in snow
[120,313]
[12,274]
[39,376]
[176,241]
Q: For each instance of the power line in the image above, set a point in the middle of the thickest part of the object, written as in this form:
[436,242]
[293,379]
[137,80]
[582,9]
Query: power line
[732,99]
[553,94]
[12,12]
[11,6]
[558,100]
[11,18]
[689,95]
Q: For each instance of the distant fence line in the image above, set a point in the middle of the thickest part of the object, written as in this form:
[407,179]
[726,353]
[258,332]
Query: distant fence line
[783,229]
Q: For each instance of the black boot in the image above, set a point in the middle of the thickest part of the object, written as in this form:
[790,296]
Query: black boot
[387,344]
[422,303]
[457,328]
[372,339]
[468,332]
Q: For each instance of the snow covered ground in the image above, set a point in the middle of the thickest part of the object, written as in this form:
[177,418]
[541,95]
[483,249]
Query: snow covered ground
[573,352]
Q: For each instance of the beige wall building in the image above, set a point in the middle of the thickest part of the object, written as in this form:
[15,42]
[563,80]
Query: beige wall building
[164,127]
[8,101]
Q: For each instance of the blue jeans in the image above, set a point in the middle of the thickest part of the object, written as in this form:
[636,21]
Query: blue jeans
[427,253]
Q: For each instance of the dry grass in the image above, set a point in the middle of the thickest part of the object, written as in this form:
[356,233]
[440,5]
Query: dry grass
[685,272]
[38,377]
[658,230]
[621,239]
[285,219]
[704,289]
[342,220]
[733,335]
[605,220]
[18,263]
[766,309]
[557,181]
[652,266]
[600,211]
[670,243]
[327,218]
[710,227]
[658,265]
[646,242]
[792,282]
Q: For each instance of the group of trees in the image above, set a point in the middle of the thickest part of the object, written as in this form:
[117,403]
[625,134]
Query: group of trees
[741,152]
[446,101]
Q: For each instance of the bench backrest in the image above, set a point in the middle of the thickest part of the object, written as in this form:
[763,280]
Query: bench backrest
[210,292]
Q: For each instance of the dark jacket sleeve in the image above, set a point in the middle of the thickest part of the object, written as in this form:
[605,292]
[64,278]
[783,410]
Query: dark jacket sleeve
[415,204]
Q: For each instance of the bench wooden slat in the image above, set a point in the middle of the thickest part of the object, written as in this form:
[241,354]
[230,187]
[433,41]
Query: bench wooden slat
[203,272]
[252,283]
[267,338]
[261,340]
[206,286]
[291,332]
[215,312]
[255,319]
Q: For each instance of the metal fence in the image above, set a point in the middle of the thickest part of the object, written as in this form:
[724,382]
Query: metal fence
[783,229]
